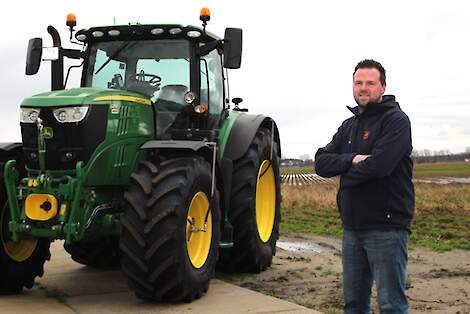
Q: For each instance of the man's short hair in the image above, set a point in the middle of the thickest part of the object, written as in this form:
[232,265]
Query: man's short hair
[371,64]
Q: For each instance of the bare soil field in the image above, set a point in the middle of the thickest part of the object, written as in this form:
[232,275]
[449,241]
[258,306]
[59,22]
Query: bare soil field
[307,271]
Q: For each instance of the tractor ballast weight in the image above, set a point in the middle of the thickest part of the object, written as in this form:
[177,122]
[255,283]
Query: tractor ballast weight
[143,166]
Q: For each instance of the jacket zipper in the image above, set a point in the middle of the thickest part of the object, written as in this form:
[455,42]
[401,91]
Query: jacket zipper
[356,122]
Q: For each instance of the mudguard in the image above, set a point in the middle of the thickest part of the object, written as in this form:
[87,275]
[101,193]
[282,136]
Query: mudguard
[243,132]
[9,151]
[240,138]
[10,147]
[199,147]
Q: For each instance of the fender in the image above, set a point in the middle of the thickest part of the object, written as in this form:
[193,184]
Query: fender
[9,147]
[243,132]
[241,135]
[10,151]
[195,146]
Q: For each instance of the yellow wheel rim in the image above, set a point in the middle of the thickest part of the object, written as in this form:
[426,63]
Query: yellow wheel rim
[265,200]
[19,251]
[198,231]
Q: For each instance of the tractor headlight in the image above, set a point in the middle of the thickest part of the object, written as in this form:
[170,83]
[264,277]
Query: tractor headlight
[29,115]
[70,114]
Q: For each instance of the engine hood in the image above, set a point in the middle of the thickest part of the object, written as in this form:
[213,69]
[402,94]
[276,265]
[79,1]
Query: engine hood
[83,96]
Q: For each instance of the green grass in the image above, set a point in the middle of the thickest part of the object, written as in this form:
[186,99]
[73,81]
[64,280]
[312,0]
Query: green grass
[449,169]
[408,284]
[441,222]
[321,221]
[442,230]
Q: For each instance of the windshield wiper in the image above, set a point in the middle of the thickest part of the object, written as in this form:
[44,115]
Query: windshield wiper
[124,46]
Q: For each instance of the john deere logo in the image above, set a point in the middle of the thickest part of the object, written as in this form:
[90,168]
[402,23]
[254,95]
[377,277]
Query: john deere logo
[47,133]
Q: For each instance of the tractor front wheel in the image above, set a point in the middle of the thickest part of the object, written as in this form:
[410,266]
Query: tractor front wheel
[170,230]
[254,207]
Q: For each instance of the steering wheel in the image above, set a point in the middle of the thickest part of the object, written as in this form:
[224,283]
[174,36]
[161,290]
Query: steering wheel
[154,79]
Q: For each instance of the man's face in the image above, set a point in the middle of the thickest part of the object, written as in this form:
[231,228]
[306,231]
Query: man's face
[367,87]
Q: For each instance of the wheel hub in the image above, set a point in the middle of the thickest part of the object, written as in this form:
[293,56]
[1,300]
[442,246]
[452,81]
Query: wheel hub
[265,200]
[199,230]
[17,251]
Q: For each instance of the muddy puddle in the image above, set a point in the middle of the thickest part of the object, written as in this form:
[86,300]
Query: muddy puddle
[299,247]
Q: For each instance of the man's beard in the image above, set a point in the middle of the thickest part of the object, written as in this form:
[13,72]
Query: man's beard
[372,100]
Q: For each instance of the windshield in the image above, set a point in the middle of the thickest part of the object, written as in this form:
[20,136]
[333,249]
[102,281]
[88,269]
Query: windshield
[158,69]
[146,67]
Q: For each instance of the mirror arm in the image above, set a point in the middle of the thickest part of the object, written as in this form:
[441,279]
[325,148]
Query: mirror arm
[204,50]
[73,54]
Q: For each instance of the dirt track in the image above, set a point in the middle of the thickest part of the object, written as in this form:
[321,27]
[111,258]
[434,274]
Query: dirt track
[439,282]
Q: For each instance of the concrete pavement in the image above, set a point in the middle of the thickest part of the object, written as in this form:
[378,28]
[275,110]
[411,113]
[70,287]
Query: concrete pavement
[68,287]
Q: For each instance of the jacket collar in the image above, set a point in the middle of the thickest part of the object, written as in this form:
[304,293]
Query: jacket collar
[388,102]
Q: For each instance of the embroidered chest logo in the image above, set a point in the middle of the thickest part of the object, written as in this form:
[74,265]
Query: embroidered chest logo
[365,135]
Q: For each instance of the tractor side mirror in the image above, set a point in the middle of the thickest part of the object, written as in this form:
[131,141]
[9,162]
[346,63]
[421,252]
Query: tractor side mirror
[232,48]
[33,56]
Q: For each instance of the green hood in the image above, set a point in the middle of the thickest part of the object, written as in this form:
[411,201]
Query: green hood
[82,96]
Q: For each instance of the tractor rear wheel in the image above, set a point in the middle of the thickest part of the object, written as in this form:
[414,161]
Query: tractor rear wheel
[170,230]
[254,208]
[20,262]
[98,253]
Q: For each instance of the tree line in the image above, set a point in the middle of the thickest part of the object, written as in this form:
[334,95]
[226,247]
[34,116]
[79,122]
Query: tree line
[426,156]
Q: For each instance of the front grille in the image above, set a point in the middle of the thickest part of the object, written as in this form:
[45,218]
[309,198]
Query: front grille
[72,142]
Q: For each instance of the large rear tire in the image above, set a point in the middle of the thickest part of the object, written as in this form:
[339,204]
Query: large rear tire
[98,253]
[20,262]
[254,208]
[166,254]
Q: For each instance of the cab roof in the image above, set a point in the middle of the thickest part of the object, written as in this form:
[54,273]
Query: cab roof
[144,32]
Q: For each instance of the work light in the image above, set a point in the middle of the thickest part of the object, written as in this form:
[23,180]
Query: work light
[29,115]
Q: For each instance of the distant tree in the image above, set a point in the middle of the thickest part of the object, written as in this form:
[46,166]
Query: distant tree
[467,149]
[305,157]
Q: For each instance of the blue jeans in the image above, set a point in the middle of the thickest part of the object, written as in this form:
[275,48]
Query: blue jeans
[379,256]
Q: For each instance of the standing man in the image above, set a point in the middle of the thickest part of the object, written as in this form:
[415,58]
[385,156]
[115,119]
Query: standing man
[371,151]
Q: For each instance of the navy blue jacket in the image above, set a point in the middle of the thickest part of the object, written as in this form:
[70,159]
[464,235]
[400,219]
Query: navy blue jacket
[377,193]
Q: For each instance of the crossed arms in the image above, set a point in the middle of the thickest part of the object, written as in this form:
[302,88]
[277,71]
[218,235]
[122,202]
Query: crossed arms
[393,144]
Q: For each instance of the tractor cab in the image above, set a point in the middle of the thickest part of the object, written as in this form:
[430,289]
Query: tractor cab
[179,69]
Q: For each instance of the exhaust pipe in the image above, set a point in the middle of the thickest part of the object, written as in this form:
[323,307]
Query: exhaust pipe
[57,66]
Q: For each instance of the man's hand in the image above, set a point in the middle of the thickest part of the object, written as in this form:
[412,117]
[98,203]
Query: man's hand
[359,158]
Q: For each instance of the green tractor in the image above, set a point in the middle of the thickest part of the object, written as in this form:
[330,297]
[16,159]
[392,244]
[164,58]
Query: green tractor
[144,166]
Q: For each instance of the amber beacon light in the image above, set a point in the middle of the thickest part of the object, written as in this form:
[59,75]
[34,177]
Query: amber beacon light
[205,15]
[71,20]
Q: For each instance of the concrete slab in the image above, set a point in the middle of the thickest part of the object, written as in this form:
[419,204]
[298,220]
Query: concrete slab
[33,302]
[68,287]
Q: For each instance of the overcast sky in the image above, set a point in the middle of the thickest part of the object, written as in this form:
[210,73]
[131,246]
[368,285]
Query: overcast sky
[298,58]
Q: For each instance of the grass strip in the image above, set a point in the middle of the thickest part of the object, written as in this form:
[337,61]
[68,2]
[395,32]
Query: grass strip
[441,222]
